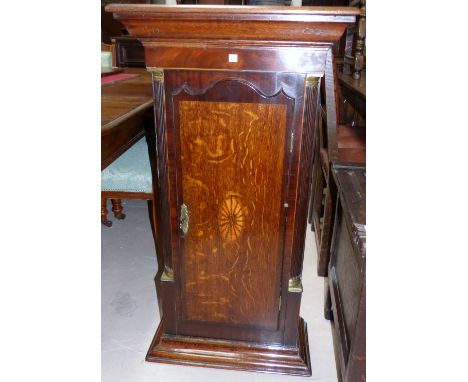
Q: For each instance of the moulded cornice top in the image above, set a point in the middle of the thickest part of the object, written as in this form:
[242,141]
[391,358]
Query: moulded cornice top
[337,14]
[235,23]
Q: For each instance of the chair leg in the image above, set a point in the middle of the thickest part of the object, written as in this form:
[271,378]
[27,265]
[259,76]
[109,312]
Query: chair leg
[117,209]
[104,220]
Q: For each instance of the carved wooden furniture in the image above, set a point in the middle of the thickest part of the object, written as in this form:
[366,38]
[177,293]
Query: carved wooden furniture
[359,53]
[347,272]
[335,143]
[124,107]
[354,60]
[236,94]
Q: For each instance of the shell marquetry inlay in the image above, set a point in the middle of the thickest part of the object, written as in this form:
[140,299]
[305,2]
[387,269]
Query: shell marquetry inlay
[231,218]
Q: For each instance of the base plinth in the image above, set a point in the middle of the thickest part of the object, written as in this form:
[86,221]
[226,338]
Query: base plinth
[196,351]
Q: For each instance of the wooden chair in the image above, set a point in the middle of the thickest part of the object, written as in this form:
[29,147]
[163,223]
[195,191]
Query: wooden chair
[128,177]
[335,142]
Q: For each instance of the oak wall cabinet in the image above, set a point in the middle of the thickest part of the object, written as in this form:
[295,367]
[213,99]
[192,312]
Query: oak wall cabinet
[235,97]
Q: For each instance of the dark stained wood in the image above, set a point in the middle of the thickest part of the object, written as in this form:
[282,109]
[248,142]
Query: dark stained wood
[308,149]
[353,91]
[243,356]
[347,271]
[235,23]
[123,108]
[236,93]
[332,112]
[337,143]
[359,57]
[252,167]
[129,52]
[111,27]
[128,195]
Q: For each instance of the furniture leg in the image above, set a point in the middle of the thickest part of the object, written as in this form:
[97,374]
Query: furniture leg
[159,257]
[324,252]
[104,220]
[313,189]
[117,208]
[328,312]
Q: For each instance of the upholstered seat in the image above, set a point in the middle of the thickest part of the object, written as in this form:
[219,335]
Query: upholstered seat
[131,172]
[128,177]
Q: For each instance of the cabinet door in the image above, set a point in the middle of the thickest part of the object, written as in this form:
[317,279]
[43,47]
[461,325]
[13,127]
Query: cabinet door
[229,137]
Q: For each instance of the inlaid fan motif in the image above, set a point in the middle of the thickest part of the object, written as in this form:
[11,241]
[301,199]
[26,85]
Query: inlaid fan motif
[231,217]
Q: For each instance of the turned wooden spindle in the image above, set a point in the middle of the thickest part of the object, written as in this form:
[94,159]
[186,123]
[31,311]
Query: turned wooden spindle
[104,220]
[360,43]
[117,209]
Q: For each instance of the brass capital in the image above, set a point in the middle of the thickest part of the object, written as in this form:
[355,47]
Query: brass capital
[156,73]
[312,81]
[167,275]
[295,285]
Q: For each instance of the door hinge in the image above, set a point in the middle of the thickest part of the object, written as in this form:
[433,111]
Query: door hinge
[292,142]
[279,303]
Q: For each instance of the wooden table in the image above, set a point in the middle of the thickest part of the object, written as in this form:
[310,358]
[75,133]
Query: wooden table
[123,108]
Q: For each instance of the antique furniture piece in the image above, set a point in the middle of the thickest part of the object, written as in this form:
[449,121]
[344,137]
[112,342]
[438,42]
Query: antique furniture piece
[126,105]
[128,177]
[236,94]
[354,60]
[353,98]
[123,107]
[347,272]
[335,143]
[360,50]
[110,27]
[128,52]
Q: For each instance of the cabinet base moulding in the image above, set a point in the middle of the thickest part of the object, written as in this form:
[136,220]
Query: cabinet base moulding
[234,355]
